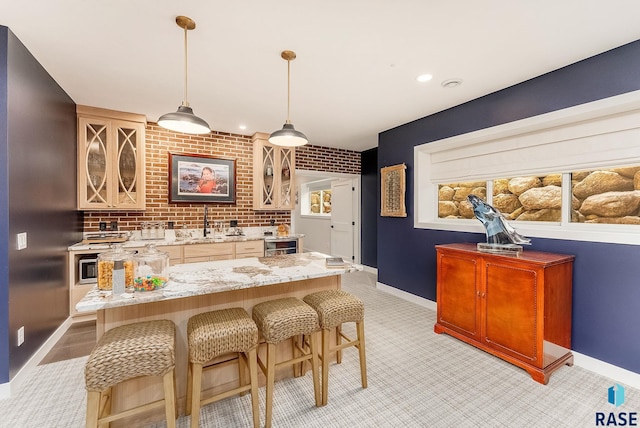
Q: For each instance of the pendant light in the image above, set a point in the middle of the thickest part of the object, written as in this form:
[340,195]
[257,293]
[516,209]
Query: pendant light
[288,136]
[184,120]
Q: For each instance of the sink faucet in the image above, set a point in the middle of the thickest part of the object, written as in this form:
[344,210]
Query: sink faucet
[206,222]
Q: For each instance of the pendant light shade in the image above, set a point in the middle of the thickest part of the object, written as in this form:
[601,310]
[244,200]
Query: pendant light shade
[184,120]
[288,136]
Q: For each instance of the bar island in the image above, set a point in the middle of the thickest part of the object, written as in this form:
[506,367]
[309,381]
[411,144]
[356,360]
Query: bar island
[194,288]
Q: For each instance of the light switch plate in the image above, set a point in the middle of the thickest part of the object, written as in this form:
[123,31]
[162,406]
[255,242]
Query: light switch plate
[20,335]
[21,241]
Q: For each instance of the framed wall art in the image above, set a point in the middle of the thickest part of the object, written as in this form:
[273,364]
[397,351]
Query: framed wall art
[201,178]
[393,188]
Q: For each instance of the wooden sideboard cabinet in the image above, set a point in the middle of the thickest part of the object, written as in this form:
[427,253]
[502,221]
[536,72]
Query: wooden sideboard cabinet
[516,308]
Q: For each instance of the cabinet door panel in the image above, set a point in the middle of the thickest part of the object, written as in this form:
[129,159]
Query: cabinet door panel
[93,155]
[457,290]
[511,313]
[128,180]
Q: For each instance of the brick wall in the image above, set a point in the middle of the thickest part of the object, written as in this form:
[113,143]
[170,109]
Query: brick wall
[159,142]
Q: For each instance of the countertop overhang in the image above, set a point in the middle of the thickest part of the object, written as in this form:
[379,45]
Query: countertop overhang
[193,279]
[134,243]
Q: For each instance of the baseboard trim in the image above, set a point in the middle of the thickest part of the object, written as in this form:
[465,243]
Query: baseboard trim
[370,269]
[9,388]
[421,301]
[617,374]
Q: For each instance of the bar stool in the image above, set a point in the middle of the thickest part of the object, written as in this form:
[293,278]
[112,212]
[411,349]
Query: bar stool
[335,307]
[217,333]
[126,352]
[279,320]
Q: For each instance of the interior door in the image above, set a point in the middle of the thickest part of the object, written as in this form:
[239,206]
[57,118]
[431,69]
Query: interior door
[342,221]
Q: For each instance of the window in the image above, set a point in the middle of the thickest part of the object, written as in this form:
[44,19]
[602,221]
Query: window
[316,198]
[320,202]
[572,153]
[532,198]
[608,196]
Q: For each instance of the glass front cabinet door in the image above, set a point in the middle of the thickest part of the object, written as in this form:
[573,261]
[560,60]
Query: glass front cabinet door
[273,175]
[110,160]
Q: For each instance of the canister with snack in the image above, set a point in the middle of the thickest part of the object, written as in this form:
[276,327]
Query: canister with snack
[151,271]
[106,263]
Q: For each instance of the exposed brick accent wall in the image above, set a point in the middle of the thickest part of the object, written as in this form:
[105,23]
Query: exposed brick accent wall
[318,158]
[160,142]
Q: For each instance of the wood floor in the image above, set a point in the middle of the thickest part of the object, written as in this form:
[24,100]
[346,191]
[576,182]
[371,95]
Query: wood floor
[77,341]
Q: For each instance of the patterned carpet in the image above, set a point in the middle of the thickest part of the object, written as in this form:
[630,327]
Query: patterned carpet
[416,379]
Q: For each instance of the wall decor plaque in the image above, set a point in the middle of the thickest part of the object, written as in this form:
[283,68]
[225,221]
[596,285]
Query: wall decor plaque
[393,188]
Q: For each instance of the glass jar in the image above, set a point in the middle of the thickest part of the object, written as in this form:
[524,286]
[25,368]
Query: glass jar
[151,270]
[106,264]
[145,231]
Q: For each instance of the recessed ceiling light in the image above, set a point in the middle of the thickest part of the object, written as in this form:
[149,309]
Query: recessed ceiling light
[451,83]
[243,127]
[424,78]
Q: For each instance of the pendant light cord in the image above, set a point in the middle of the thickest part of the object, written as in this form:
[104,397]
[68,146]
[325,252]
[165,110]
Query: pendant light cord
[288,89]
[186,101]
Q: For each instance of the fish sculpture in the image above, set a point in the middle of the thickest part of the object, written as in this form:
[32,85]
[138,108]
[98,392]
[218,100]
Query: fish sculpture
[496,227]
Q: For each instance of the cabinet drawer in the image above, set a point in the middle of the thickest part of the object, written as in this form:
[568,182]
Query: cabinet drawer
[221,257]
[249,247]
[174,251]
[251,254]
[200,250]
[196,259]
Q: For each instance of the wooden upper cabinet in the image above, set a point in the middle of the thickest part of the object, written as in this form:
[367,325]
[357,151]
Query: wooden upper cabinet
[273,174]
[111,164]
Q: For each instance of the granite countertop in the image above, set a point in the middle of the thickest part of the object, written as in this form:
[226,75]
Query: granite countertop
[193,279]
[194,238]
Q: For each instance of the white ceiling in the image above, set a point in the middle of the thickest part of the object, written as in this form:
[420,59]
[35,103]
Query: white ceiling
[357,59]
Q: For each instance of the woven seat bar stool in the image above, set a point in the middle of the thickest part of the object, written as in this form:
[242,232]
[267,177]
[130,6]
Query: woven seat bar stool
[214,334]
[126,352]
[335,307]
[279,320]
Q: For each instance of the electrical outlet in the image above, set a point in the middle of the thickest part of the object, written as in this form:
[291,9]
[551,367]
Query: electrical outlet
[21,241]
[102,225]
[20,335]
[114,225]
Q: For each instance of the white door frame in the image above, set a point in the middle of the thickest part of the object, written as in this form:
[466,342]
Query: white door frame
[357,202]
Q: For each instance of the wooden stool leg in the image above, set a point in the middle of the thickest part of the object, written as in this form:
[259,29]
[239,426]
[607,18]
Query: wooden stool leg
[253,376]
[361,350]
[175,394]
[271,368]
[187,406]
[338,342]
[297,368]
[93,408]
[169,399]
[313,346]
[196,372]
[326,337]
[242,373]
[105,406]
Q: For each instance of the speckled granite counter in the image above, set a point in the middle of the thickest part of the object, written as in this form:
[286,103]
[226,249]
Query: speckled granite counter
[200,287]
[195,279]
[194,236]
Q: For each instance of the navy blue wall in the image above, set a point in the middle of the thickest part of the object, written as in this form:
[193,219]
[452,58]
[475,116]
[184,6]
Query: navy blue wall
[4,213]
[38,196]
[605,288]
[369,207]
